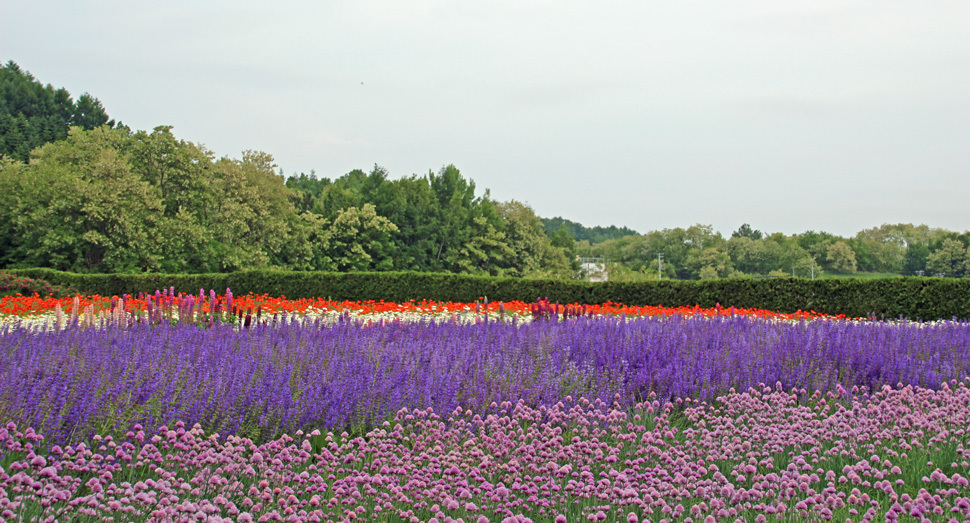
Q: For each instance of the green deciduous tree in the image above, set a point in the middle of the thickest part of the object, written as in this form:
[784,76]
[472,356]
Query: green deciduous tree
[468,233]
[180,173]
[12,183]
[712,263]
[249,226]
[840,258]
[483,250]
[524,235]
[752,256]
[81,208]
[915,260]
[563,241]
[949,260]
[816,243]
[883,248]
[790,256]
[409,203]
[357,240]
[306,188]
[531,251]
[178,169]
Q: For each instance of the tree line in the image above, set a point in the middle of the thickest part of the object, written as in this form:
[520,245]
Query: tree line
[580,232]
[79,193]
[113,200]
[700,252]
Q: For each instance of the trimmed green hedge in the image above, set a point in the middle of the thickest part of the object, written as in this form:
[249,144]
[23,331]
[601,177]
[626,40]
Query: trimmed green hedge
[922,298]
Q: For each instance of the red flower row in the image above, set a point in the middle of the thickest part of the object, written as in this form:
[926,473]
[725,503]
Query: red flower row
[35,305]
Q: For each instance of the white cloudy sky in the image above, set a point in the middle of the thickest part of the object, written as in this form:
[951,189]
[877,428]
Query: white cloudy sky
[827,115]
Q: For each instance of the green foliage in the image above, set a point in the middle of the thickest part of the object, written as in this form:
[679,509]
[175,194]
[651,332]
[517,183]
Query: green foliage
[712,263]
[10,181]
[408,203]
[745,231]
[79,207]
[841,258]
[752,256]
[252,219]
[306,189]
[567,245]
[468,227]
[680,248]
[108,200]
[578,232]
[32,114]
[914,261]
[694,253]
[439,224]
[816,243]
[357,240]
[532,253]
[89,113]
[913,298]
[950,259]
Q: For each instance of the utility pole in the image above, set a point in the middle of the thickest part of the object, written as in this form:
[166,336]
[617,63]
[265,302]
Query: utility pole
[813,270]
[660,266]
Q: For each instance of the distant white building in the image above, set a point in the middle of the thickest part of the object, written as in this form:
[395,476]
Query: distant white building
[593,269]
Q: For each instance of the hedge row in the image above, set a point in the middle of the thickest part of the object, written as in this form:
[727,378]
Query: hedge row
[913,298]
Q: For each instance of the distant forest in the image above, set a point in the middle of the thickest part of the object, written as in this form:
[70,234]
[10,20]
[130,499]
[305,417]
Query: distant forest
[80,193]
[595,234]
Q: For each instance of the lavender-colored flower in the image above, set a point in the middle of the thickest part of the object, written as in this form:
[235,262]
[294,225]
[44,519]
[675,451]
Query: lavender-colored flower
[263,381]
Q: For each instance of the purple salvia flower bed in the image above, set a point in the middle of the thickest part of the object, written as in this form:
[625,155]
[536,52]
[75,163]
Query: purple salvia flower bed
[764,454]
[266,380]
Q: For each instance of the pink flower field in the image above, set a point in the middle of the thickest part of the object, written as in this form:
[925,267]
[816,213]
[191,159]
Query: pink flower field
[765,454]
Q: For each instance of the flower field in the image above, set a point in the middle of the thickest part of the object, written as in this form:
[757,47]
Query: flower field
[37,310]
[210,407]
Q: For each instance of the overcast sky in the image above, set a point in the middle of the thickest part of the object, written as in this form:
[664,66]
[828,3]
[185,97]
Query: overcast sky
[827,115]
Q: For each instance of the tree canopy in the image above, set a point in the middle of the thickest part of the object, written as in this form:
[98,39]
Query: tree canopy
[112,200]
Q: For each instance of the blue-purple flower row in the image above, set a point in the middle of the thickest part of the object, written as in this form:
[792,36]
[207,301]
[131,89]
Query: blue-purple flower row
[262,381]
